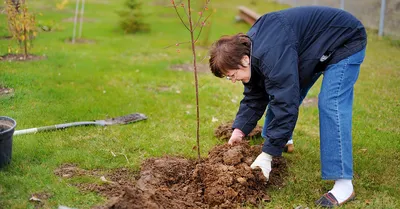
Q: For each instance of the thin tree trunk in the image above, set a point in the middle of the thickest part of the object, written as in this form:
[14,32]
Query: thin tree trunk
[25,45]
[24,25]
[196,81]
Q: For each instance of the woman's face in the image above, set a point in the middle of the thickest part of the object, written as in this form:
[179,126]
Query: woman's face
[243,73]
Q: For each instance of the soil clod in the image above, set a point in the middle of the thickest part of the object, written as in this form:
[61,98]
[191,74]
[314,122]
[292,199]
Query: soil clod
[224,131]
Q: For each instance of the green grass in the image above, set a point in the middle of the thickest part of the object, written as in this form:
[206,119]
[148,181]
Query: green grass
[121,74]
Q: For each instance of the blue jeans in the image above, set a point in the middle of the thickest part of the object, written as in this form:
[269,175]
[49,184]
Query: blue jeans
[335,104]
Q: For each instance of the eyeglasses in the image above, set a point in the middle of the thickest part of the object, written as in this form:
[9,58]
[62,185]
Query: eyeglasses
[229,77]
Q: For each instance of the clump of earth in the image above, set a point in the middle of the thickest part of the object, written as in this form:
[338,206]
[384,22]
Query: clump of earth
[224,131]
[222,180]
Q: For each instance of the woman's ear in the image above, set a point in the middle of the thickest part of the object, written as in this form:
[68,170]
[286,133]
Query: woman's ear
[245,61]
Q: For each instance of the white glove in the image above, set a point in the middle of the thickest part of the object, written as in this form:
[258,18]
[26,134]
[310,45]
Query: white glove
[263,161]
[236,137]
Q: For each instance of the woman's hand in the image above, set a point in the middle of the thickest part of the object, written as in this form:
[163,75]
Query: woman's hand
[237,137]
[263,161]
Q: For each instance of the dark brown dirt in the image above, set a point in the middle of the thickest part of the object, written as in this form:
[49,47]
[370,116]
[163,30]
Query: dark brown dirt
[3,128]
[224,131]
[223,180]
[20,57]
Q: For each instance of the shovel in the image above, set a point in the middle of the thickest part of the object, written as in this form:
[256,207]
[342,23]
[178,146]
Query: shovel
[113,121]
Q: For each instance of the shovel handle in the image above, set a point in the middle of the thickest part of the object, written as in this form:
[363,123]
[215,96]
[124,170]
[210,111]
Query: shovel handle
[54,127]
[34,130]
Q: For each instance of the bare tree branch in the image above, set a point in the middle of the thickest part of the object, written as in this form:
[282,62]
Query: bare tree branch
[177,44]
[179,15]
[201,28]
[201,14]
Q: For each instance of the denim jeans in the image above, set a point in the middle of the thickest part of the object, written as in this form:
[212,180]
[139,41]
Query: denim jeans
[335,104]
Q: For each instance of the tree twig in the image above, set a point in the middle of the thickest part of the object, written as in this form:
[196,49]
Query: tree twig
[179,15]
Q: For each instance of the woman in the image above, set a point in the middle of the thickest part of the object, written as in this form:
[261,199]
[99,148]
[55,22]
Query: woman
[278,61]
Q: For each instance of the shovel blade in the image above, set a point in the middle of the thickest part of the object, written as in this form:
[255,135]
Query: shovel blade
[126,119]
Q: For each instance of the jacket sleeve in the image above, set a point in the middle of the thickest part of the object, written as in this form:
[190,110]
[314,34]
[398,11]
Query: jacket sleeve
[252,107]
[280,66]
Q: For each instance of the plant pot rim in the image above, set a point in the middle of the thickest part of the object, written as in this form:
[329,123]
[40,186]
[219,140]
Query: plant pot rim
[11,123]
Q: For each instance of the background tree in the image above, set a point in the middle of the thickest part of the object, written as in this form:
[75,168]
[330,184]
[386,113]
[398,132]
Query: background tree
[132,18]
[21,25]
[14,3]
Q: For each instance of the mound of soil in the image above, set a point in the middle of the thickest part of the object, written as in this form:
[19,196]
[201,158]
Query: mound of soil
[224,131]
[223,180]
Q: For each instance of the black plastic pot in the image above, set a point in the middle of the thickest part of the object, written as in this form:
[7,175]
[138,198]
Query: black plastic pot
[7,127]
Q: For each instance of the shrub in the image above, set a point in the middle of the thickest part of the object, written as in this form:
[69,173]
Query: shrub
[21,25]
[132,17]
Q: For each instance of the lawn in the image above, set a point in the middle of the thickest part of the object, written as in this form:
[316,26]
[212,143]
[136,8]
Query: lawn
[118,74]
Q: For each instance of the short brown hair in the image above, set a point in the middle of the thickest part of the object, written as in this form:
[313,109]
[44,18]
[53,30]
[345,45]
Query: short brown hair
[227,53]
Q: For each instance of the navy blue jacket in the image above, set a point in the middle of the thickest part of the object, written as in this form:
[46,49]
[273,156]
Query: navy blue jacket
[287,47]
